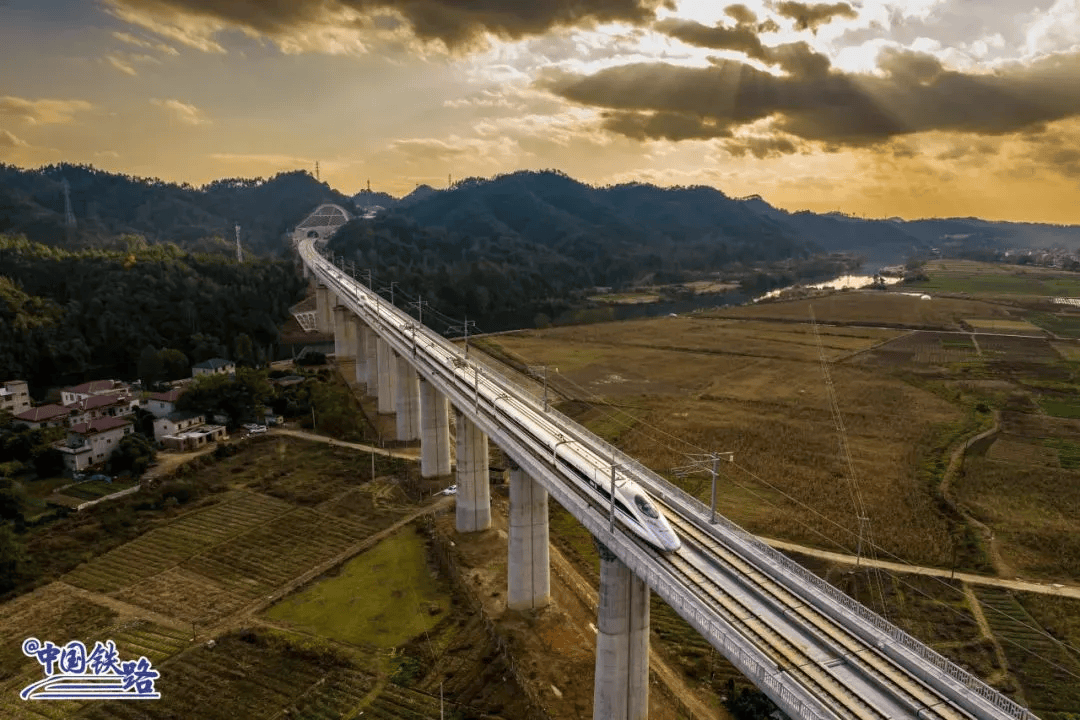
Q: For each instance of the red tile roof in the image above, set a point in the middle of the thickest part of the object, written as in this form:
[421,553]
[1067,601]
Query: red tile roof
[100,425]
[170,396]
[43,413]
[92,387]
[97,401]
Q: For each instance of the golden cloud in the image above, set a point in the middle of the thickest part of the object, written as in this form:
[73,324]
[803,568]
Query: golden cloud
[41,112]
[181,111]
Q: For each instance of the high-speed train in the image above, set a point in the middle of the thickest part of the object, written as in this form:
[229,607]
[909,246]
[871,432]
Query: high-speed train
[572,459]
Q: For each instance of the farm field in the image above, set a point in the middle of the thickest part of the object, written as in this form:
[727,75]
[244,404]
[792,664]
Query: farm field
[263,517]
[923,378]
[978,278]
[402,599]
[895,308]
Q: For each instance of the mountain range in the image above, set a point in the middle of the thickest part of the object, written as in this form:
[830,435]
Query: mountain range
[688,227]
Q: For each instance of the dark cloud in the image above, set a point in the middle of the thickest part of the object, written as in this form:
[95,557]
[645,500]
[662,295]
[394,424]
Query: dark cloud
[760,147]
[796,58]
[662,125]
[915,94]
[741,14]
[454,22]
[740,38]
[810,17]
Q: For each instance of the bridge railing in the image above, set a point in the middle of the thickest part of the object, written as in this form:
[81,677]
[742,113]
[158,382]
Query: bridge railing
[881,628]
[884,629]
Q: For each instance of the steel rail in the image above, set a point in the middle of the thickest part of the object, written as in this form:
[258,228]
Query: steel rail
[436,364]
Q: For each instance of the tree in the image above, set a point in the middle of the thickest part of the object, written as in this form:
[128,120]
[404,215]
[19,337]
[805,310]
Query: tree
[150,367]
[174,364]
[12,557]
[134,454]
[10,502]
[245,350]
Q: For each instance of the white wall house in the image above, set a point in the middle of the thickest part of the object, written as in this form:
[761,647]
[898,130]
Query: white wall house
[94,442]
[214,366]
[163,404]
[98,406]
[71,395]
[44,416]
[15,396]
[176,423]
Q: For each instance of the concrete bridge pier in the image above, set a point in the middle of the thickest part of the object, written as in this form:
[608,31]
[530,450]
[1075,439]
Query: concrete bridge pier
[528,572]
[408,401]
[473,485]
[621,684]
[340,351]
[322,309]
[434,432]
[357,350]
[387,377]
[371,348]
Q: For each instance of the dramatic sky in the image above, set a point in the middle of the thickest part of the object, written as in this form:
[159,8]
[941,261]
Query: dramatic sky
[876,107]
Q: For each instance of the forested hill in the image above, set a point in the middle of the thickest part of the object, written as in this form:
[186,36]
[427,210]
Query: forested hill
[69,316]
[687,226]
[108,206]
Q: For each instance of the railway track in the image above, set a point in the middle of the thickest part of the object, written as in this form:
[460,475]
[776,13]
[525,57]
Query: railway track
[803,642]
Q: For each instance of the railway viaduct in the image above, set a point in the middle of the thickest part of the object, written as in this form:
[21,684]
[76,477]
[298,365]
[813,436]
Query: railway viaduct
[815,652]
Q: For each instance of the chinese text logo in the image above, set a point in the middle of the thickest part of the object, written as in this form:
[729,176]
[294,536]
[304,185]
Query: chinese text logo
[73,674]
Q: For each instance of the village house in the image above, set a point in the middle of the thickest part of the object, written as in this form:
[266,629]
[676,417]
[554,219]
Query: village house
[98,406]
[186,431]
[94,388]
[50,415]
[93,443]
[163,404]
[15,396]
[214,366]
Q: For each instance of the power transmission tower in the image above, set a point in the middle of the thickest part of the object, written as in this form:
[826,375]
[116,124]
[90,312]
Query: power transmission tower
[239,251]
[316,170]
[710,463]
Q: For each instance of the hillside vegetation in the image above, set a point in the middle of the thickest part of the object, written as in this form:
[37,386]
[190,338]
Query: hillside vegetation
[67,314]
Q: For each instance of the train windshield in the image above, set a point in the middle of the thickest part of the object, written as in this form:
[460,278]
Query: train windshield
[646,507]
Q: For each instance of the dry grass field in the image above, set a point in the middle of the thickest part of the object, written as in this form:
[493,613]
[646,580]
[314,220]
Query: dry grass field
[997,279]
[914,382]
[757,389]
[873,307]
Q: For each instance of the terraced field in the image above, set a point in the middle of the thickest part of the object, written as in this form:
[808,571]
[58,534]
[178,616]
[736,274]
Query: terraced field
[1046,670]
[165,547]
[133,640]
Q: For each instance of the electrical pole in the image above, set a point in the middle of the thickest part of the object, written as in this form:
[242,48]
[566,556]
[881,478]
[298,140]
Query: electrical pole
[367,272]
[534,370]
[710,463]
[391,289]
[419,305]
[464,328]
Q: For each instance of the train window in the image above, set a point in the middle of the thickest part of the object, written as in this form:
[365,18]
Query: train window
[646,507]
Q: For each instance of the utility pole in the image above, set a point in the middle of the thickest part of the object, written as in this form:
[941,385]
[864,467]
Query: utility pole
[419,305]
[535,369]
[863,522]
[464,328]
[710,463]
[391,289]
[611,504]
[367,272]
